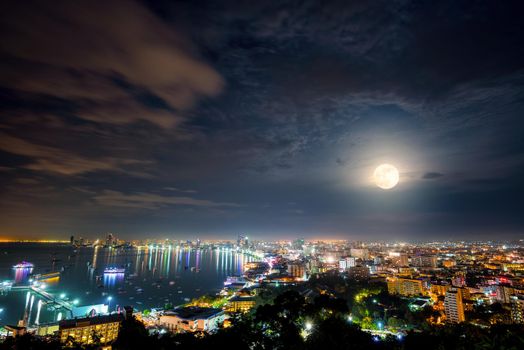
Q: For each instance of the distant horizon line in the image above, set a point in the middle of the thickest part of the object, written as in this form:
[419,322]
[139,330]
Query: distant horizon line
[157,240]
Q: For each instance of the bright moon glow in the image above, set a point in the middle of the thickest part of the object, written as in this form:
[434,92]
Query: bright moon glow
[386,176]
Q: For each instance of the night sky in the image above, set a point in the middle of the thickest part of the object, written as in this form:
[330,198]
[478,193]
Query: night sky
[186,119]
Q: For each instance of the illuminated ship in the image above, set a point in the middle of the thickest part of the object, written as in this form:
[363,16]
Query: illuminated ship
[235,280]
[47,276]
[114,270]
[24,265]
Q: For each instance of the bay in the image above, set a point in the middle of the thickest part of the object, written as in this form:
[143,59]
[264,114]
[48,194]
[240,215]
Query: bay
[153,276]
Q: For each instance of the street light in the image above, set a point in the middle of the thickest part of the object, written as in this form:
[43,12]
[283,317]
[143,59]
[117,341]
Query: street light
[309,326]
[350,318]
[62,296]
[76,301]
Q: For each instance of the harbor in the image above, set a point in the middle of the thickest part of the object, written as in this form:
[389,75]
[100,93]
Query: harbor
[66,280]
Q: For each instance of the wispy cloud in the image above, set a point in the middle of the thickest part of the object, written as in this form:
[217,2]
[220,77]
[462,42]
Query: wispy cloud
[432,175]
[104,66]
[61,161]
[153,201]
[174,189]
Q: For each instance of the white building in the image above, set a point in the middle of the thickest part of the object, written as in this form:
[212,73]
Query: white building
[192,319]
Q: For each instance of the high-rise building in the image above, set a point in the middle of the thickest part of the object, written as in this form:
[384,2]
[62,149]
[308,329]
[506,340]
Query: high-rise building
[342,265]
[454,306]
[517,308]
[405,286]
[347,263]
[242,241]
[424,261]
[358,272]
[110,240]
[296,269]
[439,289]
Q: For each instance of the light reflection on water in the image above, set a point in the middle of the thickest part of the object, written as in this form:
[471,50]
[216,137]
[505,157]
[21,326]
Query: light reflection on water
[22,274]
[153,276]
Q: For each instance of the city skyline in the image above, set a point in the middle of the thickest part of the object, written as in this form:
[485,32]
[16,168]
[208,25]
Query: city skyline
[156,119]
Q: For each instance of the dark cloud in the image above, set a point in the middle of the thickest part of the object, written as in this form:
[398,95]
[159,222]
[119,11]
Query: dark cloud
[432,175]
[63,51]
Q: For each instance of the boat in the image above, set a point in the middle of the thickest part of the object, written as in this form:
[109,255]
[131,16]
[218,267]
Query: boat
[113,270]
[24,265]
[46,276]
[234,279]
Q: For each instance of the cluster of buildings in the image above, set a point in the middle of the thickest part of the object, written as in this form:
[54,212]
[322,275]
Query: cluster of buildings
[454,278]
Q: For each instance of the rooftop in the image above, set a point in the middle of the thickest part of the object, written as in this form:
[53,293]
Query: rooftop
[87,321]
[194,312]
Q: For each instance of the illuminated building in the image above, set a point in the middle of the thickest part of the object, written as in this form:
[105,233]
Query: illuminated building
[453,306]
[342,265]
[517,308]
[347,263]
[449,263]
[110,240]
[513,267]
[405,286]
[399,259]
[192,319]
[240,303]
[358,272]
[242,241]
[439,289]
[47,329]
[504,293]
[84,330]
[296,269]
[424,261]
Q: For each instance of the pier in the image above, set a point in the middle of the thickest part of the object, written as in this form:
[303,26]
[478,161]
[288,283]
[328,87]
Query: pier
[48,297]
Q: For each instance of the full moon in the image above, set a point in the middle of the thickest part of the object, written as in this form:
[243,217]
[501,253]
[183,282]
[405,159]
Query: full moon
[386,176]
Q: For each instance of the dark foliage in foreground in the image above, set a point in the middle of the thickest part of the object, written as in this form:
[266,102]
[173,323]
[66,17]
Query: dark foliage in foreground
[282,325]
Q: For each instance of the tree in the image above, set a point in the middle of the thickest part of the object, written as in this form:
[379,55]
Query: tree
[133,335]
